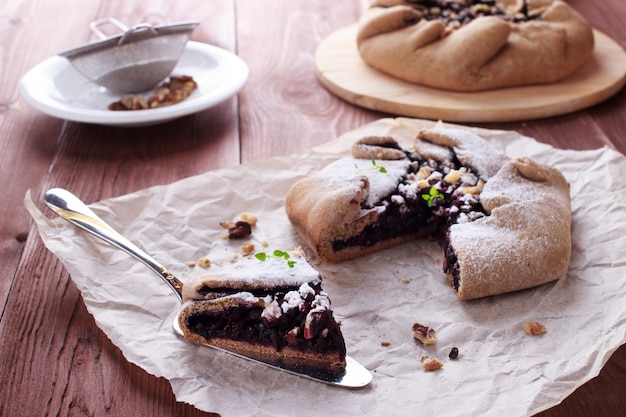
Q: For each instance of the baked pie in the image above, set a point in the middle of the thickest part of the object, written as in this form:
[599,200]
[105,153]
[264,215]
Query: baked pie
[474,45]
[270,308]
[503,224]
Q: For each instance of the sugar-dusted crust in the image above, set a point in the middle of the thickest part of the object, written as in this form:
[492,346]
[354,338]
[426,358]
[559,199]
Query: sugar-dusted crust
[486,53]
[526,239]
[328,206]
[469,148]
[249,274]
[523,241]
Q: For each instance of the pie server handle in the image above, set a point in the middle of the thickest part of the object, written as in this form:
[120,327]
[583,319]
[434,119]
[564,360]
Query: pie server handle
[72,209]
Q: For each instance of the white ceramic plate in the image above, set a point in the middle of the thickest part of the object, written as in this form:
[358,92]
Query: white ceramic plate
[55,88]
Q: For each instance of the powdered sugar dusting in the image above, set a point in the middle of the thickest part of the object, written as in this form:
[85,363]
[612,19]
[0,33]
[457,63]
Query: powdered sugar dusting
[521,245]
[381,184]
[470,149]
[510,186]
[249,273]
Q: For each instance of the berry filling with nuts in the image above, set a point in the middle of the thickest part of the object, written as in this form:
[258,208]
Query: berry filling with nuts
[458,13]
[430,198]
[298,318]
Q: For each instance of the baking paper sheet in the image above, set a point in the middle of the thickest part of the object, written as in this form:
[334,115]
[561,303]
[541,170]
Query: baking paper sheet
[501,370]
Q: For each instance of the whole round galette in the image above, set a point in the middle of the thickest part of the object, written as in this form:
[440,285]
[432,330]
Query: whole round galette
[472,45]
[503,224]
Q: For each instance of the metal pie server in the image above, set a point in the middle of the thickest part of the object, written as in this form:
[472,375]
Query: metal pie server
[72,209]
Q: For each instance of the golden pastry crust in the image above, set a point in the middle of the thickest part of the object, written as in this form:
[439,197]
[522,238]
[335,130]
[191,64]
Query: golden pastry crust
[524,239]
[488,52]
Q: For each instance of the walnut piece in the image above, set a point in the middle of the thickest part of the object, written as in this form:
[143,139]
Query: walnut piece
[237,230]
[171,92]
[247,248]
[204,262]
[250,218]
[431,364]
[534,328]
[424,334]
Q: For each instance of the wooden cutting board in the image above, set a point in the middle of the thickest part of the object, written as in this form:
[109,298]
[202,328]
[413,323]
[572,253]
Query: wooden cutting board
[342,71]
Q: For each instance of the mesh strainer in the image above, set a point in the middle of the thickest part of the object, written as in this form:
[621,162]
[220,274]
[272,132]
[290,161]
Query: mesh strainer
[135,61]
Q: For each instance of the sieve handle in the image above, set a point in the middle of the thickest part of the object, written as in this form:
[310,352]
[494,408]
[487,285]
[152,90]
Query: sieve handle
[94,26]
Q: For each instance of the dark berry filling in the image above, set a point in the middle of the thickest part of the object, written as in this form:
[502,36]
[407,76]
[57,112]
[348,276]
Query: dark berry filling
[451,264]
[320,333]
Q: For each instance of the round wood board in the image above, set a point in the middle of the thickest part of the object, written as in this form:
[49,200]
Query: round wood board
[342,71]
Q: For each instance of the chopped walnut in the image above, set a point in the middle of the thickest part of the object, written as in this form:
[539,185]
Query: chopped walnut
[534,328]
[424,334]
[292,336]
[171,92]
[431,364]
[237,230]
[453,176]
[129,102]
[424,172]
[250,218]
[247,248]
[227,225]
[204,262]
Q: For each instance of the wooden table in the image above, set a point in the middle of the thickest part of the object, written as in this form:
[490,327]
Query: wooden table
[54,360]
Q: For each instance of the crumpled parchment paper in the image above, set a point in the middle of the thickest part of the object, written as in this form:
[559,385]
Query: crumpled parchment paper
[501,370]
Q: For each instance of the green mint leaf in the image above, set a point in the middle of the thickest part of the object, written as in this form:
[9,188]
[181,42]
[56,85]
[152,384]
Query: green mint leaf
[375,166]
[278,254]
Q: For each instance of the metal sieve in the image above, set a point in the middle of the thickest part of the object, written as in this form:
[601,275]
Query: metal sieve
[136,60]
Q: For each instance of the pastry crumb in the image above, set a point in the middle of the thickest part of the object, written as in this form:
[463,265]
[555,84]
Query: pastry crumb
[534,328]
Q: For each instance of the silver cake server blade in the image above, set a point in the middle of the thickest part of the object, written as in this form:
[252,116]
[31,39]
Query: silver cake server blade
[72,209]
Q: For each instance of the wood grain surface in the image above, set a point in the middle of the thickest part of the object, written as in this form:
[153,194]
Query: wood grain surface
[54,360]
